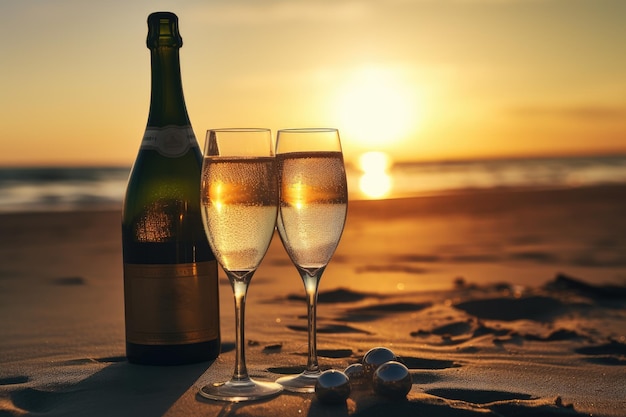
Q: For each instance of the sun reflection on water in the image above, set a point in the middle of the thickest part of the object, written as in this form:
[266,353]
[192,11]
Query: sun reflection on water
[375,183]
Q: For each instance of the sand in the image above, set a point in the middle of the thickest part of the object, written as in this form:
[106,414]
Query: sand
[501,303]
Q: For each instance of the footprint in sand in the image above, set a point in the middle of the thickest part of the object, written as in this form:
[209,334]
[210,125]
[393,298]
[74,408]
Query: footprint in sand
[430,364]
[537,308]
[273,348]
[457,332]
[474,403]
[556,335]
[14,380]
[477,396]
[287,370]
[340,295]
[335,353]
[456,328]
[374,312]
[331,328]
[612,353]
[505,403]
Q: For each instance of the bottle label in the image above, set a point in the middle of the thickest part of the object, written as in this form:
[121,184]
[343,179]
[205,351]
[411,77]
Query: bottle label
[170,141]
[171,304]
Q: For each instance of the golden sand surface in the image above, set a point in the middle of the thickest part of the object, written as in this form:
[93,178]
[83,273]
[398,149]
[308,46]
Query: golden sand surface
[500,303]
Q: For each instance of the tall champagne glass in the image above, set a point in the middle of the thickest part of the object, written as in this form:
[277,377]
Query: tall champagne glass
[239,199]
[313,206]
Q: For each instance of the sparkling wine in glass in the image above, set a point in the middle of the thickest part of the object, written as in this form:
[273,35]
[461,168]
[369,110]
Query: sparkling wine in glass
[313,205]
[239,200]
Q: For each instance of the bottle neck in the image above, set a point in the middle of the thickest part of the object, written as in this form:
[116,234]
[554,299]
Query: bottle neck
[167,103]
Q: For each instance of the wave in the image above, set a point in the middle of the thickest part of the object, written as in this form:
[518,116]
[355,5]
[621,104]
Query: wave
[53,189]
[94,188]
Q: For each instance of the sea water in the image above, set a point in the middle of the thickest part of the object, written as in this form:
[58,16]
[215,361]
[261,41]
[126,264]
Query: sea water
[27,189]
[432,178]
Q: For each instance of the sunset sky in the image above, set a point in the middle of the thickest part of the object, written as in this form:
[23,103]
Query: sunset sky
[418,79]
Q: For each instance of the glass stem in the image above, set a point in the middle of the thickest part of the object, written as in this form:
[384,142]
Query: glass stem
[240,288]
[311,285]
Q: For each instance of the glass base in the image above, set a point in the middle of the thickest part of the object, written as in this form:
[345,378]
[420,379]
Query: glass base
[236,391]
[304,382]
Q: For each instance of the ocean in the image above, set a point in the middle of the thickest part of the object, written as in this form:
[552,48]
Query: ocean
[28,189]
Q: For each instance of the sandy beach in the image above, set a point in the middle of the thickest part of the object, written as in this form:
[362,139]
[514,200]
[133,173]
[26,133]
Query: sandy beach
[500,302]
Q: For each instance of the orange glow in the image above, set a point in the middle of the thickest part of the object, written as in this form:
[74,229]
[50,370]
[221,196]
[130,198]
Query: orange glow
[376,108]
[295,195]
[405,80]
[375,182]
[300,194]
[375,185]
[216,195]
[374,161]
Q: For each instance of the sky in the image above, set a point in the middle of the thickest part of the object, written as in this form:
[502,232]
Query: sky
[416,79]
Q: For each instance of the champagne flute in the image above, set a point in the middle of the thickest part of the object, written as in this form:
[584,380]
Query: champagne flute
[313,206]
[239,200]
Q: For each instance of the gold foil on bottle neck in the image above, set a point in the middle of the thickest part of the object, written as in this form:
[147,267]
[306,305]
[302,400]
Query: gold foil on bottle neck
[163,30]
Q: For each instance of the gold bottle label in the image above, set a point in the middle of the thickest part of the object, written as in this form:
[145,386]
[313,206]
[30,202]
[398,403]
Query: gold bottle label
[171,304]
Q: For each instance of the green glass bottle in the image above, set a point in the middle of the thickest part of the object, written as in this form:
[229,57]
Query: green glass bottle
[170,273]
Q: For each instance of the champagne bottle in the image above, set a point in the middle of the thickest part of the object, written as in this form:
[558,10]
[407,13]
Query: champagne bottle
[170,273]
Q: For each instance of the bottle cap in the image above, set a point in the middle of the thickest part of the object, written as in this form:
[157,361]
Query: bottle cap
[163,30]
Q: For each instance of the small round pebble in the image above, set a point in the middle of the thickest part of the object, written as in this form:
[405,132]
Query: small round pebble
[376,357]
[392,380]
[332,387]
[356,374]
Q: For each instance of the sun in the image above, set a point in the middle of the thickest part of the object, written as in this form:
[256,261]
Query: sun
[376,108]
[375,182]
